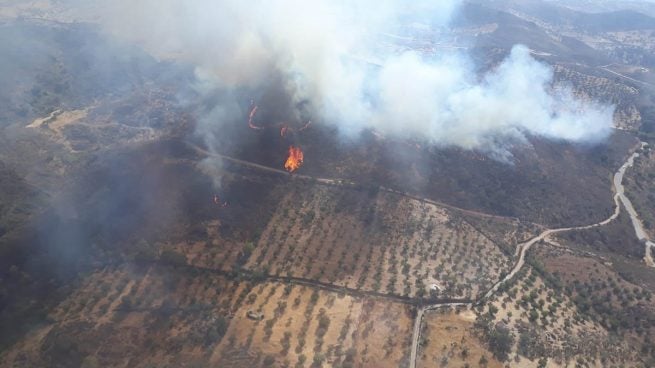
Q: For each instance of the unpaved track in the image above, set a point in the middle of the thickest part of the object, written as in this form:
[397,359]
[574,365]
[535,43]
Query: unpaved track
[419,321]
[640,232]
[522,250]
[605,68]
[343,182]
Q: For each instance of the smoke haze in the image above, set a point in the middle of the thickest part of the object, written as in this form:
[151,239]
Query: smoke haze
[325,59]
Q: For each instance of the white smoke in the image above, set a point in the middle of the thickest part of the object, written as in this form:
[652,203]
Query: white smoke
[317,46]
[442,101]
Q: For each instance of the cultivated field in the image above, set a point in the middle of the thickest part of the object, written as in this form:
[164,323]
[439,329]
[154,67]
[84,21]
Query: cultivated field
[128,316]
[376,241]
[449,340]
[563,308]
[301,326]
[171,317]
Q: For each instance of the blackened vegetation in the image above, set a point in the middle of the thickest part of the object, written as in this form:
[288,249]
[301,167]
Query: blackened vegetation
[647,111]
[176,312]
[640,187]
[145,192]
[50,66]
[617,237]
[251,201]
[122,204]
[542,183]
[102,201]
[117,200]
[18,203]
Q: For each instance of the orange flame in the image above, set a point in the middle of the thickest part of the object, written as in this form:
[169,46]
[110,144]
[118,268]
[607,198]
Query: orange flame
[295,159]
[251,116]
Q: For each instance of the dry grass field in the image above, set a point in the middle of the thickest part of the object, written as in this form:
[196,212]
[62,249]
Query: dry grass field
[449,340]
[168,317]
[147,220]
[378,242]
[301,326]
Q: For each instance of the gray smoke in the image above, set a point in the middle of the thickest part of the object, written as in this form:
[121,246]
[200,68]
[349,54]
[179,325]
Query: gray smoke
[315,52]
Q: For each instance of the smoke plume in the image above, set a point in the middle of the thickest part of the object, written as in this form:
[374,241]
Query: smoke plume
[329,60]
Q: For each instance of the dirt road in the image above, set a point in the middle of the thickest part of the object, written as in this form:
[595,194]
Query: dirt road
[640,232]
[344,182]
[523,248]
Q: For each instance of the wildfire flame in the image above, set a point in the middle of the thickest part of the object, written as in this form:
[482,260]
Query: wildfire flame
[295,159]
[251,116]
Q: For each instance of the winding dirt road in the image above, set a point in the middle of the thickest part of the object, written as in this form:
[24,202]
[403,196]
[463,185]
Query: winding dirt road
[521,249]
[640,232]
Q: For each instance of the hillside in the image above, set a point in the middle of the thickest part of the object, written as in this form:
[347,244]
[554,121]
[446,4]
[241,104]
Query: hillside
[205,208]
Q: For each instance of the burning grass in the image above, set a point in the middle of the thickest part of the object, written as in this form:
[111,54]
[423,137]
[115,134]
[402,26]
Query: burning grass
[295,159]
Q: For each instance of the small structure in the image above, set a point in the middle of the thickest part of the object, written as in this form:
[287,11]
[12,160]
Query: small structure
[255,316]
[435,287]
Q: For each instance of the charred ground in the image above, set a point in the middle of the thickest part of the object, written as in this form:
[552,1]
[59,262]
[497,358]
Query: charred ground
[109,228]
